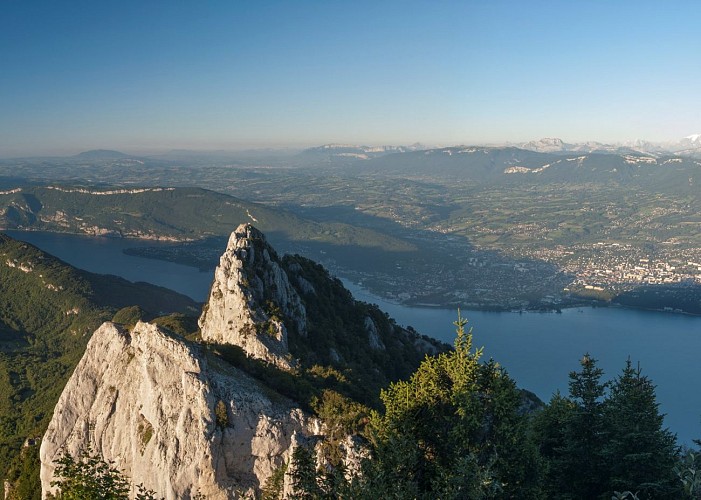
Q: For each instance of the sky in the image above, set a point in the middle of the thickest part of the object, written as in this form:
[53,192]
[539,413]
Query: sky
[149,76]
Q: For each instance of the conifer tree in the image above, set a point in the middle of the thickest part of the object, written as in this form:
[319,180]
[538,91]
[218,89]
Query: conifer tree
[582,455]
[639,454]
[304,474]
[459,429]
[549,431]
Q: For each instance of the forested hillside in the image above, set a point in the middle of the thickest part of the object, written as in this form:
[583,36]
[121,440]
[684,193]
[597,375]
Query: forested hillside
[171,214]
[48,310]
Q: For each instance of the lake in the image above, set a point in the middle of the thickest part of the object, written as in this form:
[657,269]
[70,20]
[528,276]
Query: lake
[540,349]
[105,256]
[537,349]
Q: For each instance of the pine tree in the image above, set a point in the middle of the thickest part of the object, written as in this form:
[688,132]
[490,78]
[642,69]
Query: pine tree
[640,454]
[304,474]
[549,431]
[458,424]
[582,455]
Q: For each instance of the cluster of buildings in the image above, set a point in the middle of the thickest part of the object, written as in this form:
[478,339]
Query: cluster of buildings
[618,266]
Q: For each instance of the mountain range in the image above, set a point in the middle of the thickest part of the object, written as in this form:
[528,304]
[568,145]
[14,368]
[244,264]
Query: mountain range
[689,145]
[394,220]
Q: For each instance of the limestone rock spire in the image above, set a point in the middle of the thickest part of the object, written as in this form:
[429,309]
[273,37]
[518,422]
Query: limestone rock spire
[251,302]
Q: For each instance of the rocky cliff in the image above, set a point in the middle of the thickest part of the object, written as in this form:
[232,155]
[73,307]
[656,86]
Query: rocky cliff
[251,303]
[172,418]
[184,419]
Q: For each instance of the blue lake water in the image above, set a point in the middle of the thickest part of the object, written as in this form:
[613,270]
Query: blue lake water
[537,349]
[540,349]
[106,256]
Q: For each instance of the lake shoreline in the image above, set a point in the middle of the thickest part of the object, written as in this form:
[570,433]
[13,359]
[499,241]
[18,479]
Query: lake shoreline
[554,309]
[538,350]
[543,308]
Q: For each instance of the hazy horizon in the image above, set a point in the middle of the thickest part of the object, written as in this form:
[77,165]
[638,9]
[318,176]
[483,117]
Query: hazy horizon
[292,149]
[150,77]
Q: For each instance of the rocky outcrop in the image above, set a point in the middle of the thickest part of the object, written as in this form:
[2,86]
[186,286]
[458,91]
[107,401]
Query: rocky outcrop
[251,302]
[373,335]
[179,421]
[7,488]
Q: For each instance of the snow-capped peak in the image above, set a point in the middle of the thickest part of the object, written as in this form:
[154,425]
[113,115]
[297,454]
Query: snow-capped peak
[545,145]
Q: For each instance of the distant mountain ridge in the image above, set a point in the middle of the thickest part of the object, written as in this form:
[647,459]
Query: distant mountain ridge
[516,166]
[690,144]
[171,214]
[349,151]
[102,154]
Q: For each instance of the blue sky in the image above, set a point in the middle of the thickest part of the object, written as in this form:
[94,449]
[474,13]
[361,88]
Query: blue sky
[148,76]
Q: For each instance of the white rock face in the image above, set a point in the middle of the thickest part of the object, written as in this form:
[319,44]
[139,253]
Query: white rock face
[373,335]
[147,401]
[546,145]
[251,303]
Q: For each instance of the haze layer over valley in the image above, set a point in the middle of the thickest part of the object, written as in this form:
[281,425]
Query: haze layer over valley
[474,226]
